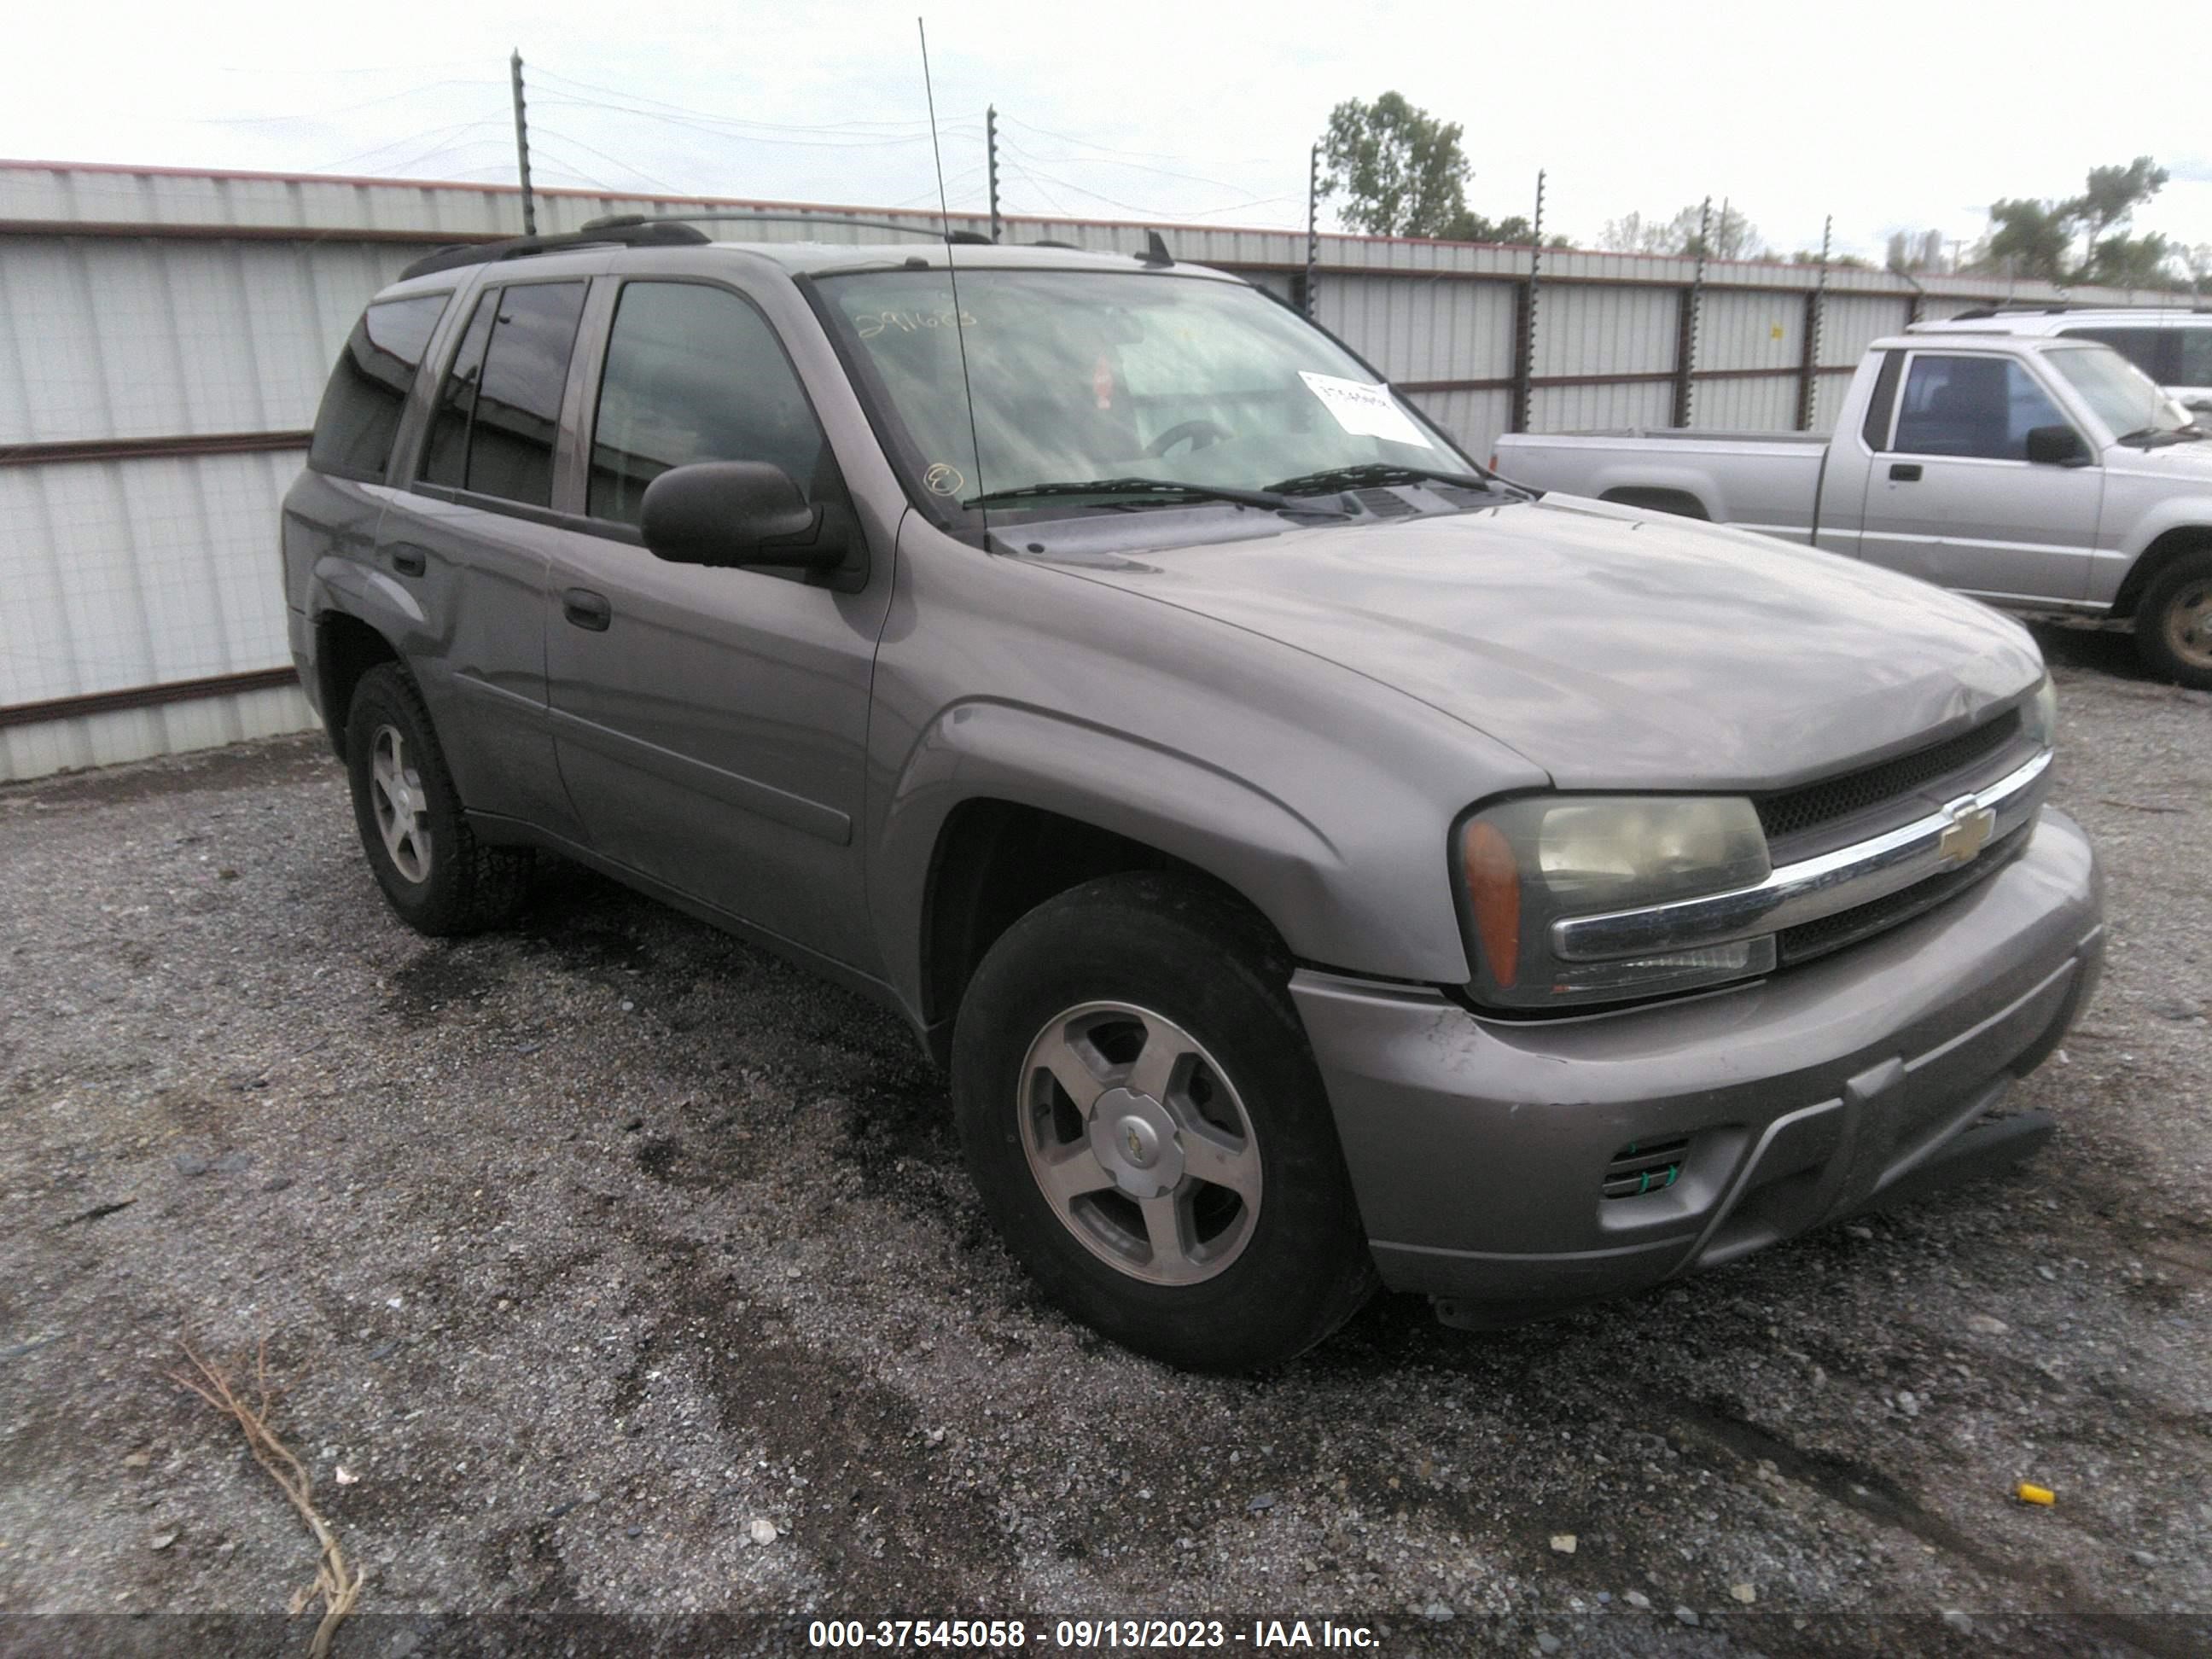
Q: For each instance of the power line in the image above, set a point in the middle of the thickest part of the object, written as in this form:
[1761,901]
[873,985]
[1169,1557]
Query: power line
[1039,179]
[627,167]
[1111,161]
[723,133]
[734,120]
[343,109]
[361,156]
[1153,155]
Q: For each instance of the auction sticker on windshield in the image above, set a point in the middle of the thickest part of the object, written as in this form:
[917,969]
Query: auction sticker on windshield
[1369,411]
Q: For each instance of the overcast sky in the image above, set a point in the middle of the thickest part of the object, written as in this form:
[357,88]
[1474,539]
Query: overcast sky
[1888,116]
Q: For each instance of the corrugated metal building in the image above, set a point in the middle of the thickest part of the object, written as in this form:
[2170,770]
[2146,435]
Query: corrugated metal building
[164,337]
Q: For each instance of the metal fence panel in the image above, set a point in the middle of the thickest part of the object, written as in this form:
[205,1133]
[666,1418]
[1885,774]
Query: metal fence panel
[1590,329]
[1423,330]
[122,575]
[1765,404]
[1737,331]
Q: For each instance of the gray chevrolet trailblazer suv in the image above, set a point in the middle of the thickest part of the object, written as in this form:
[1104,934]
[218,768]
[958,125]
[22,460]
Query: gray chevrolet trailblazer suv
[1318,861]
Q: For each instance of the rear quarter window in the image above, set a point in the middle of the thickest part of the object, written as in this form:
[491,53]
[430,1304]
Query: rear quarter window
[368,391]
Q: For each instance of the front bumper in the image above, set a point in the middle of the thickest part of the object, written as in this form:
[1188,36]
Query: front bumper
[1478,1147]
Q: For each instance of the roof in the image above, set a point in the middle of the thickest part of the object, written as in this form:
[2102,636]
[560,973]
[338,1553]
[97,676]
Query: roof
[2057,319]
[929,250]
[1968,334]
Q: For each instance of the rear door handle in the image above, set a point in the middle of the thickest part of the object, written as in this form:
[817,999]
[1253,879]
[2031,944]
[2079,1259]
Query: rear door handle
[409,561]
[586,609]
[1905,472]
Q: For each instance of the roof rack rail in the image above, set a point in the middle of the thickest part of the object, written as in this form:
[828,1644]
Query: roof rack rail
[641,233]
[626,220]
[1981,312]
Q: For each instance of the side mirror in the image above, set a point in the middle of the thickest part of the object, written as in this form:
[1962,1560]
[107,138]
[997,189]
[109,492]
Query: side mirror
[2047,446]
[736,512]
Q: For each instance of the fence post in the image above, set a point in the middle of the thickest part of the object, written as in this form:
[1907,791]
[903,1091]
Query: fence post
[1686,338]
[1524,322]
[1808,372]
[1313,230]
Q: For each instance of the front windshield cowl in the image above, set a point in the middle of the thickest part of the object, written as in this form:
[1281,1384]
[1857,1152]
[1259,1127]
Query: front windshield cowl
[1153,387]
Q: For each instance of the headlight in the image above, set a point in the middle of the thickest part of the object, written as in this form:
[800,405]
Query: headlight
[1527,863]
[2038,715]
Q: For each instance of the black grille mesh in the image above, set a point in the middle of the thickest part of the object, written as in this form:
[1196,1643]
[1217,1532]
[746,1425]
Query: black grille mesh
[1793,812]
[1817,938]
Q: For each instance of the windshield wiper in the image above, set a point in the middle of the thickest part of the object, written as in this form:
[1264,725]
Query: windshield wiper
[1373,472]
[1161,490]
[2151,436]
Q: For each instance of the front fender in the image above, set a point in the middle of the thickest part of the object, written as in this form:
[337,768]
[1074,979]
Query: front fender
[1259,845]
[2189,512]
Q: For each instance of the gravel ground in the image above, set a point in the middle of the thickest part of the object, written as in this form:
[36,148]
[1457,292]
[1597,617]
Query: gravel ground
[586,1248]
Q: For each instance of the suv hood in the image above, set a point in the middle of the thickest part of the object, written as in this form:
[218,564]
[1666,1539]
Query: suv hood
[1612,649]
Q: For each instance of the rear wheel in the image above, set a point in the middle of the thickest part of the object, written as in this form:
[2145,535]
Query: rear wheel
[433,871]
[1149,1131]
[2173,623]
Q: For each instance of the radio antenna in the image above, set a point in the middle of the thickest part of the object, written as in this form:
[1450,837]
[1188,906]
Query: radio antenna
[952,275]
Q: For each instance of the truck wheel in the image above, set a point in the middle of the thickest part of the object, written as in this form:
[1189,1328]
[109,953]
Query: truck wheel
[2173,623]
[1149,1131]
[441,879]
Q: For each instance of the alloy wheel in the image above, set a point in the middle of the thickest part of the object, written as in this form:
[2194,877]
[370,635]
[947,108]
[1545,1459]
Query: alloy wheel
[1140,1142]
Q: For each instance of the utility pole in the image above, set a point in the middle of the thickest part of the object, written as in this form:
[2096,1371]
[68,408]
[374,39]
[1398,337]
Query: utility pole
[1313,226]
[522,147]
[991,155]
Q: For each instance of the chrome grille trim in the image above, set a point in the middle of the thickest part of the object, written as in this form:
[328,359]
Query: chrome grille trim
[1808,889]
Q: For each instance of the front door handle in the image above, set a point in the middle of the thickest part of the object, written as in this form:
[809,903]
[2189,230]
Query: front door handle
[586,609]
[409,561]
[1905,472]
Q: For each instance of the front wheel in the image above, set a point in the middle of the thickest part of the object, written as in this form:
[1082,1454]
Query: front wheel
[1148,1129]
[2173,623]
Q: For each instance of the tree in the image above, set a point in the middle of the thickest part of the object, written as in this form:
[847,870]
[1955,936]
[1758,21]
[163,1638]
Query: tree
[2034,238]
[2111,198]
[1400,170]
[1473,227]
[1913,250]
[2134,262]
[2031,239]
[1728,235]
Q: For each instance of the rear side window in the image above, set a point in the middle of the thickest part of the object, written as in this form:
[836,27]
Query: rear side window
[2139,346]
[1877,425]
[2196,368]
[367,392]
[499,412]
[694,374]
[1979,406]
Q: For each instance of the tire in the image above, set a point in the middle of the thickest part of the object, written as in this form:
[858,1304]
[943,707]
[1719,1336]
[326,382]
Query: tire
[1108,982]
[439,878]
[2173,623]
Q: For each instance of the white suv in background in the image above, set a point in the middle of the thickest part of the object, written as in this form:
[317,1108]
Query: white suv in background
[2173,347]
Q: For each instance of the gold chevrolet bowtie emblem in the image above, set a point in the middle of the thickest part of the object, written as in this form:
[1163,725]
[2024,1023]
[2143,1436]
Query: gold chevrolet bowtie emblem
[1972,824]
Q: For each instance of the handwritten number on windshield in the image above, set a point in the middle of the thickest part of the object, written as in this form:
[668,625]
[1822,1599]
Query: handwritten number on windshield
[873,323]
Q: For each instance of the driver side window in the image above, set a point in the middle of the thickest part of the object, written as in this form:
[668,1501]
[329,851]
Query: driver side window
[695,374]
[1977,406]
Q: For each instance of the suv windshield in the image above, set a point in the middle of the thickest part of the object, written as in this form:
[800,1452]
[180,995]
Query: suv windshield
[2123,397]
[1084,376]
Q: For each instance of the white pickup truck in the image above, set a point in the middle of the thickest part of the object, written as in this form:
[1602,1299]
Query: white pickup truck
[2042,474]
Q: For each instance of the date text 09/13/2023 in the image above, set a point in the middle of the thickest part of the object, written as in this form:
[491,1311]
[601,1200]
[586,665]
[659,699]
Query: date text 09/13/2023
[1002,1635]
